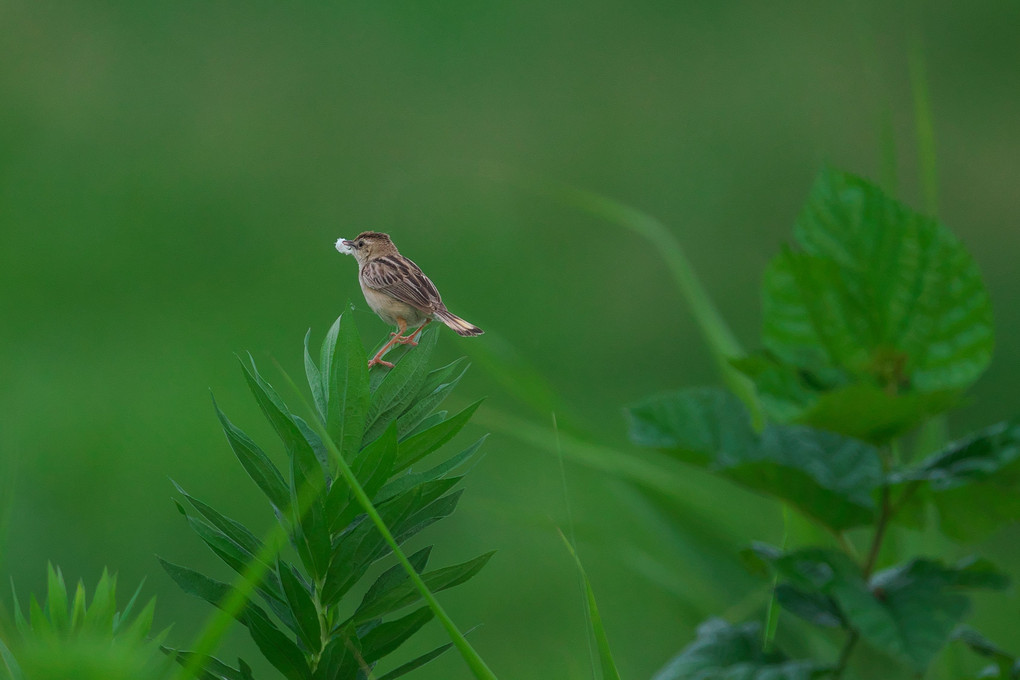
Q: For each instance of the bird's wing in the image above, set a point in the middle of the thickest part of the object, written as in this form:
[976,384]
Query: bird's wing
[402,279]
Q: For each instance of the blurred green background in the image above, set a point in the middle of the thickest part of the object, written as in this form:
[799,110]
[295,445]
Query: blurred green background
[173,175]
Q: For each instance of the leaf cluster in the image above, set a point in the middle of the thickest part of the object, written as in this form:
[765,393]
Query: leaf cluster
[306,622]
[70,635]
[878,322]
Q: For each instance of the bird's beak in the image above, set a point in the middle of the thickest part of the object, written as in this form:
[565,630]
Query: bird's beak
[349,244]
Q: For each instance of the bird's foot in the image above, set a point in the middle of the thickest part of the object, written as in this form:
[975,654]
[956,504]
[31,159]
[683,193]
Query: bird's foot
[409,340]
[377,361]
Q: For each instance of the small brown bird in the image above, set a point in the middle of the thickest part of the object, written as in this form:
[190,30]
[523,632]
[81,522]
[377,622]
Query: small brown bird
[397,290]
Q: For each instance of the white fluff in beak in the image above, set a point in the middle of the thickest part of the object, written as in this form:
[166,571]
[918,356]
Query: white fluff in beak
[343,249]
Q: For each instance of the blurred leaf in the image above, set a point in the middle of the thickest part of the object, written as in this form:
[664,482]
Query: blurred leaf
[314,376]
[723,651]
[257,464]
[1007,665]
[880,296]
[972,482]
[386,637]
[345,387]
[609,670]
[382,599]
[416,447]
[303,608]
[56,600]
[825,475]
[815,608]
[907,611]
[10,664]
[100,612]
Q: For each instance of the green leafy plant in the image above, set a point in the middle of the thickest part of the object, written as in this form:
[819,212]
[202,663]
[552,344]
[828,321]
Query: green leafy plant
[68,636]
[876,323]
[348,499]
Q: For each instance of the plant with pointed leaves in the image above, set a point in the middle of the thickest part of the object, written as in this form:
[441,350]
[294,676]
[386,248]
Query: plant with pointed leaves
[375,426]
[878,322]
[69,637]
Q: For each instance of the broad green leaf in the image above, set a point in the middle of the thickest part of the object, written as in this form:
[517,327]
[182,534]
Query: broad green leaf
[341,657]
[391,596]
[815,608]
[723,651]
[881,296]
[972,482]
[388,636]
[303,608]
[416,447]
[437,386]
[400,385]
[907,611]
[257,464]
[823,474]
[346,388]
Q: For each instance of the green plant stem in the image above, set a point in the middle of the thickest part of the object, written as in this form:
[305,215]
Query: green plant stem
[720,339]
[876,543]
[471,657]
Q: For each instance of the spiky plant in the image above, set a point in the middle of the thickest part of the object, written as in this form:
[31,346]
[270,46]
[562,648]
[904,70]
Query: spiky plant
[372,425]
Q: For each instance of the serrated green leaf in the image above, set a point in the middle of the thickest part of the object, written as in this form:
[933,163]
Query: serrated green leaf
[388,636]
[907,611]
[56,600]
[391,596]
[234,556]
[884,295]
[825,475]
[400,385]
[212,591]
[422,444]
[434,419]
[346,388]
[723,651]
[257,464]
[815,608]
[972,482]
[392,579]
[301,605]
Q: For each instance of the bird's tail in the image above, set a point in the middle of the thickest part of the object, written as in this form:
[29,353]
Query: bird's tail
[458,324]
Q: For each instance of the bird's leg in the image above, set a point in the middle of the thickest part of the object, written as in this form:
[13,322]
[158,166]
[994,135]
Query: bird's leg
[410,339]
[377,360]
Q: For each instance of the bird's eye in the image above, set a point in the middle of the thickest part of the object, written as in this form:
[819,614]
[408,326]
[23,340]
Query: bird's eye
[361,244]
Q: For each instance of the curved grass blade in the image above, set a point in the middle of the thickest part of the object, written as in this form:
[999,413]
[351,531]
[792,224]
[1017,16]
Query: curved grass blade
[609,671]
